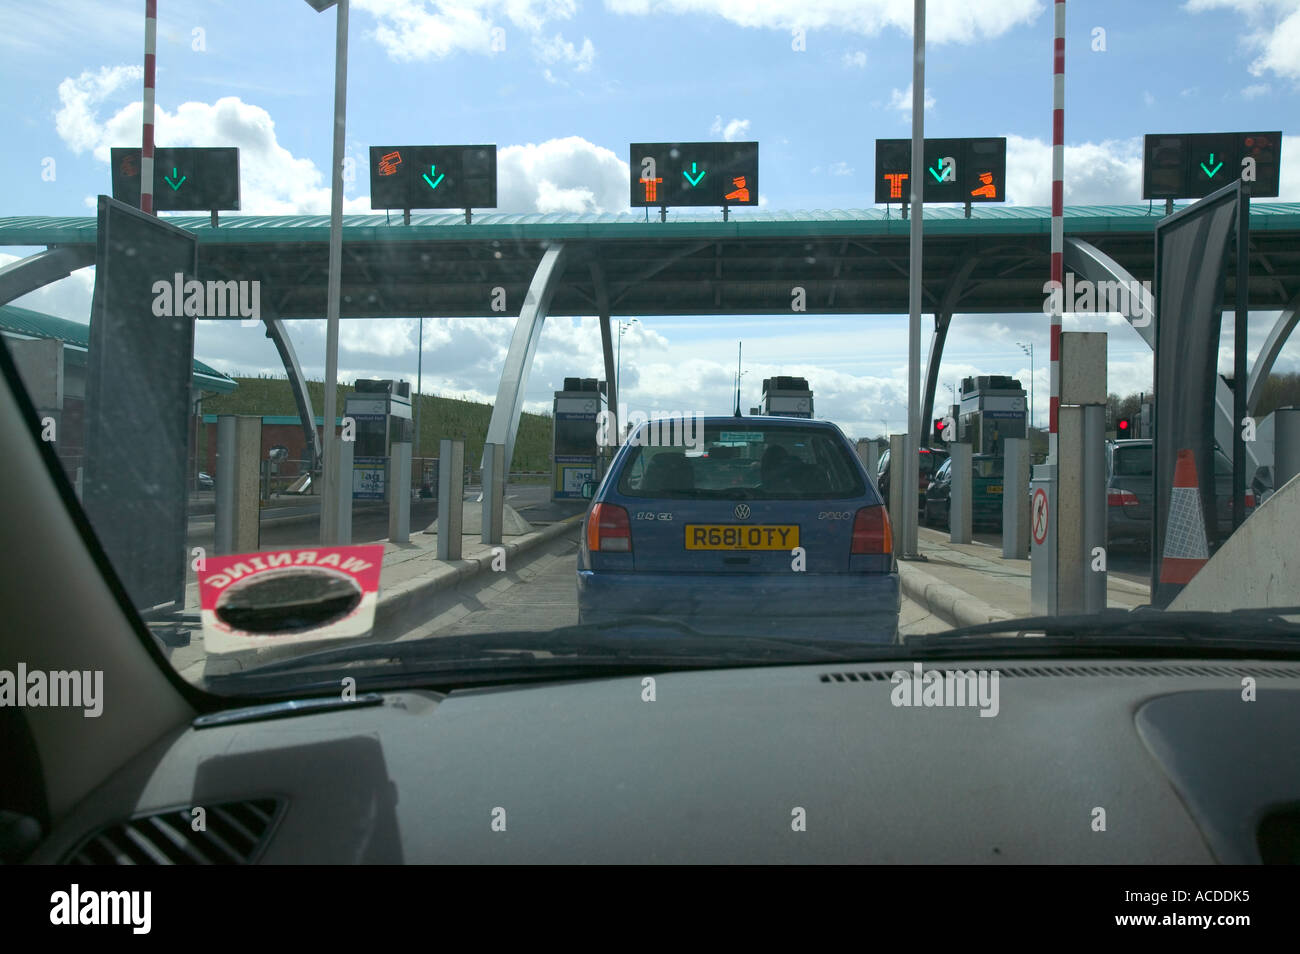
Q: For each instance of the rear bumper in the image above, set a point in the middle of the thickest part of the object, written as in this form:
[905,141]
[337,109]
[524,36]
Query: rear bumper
[860,607]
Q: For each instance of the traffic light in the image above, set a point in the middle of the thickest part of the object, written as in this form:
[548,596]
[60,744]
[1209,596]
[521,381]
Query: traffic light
[1125,427]
[938,429]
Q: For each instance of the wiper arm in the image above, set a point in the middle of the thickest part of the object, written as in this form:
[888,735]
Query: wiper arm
[602,642]
[1189,626]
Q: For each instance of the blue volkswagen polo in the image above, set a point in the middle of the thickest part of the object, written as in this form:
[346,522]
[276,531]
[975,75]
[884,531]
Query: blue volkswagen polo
[741,526]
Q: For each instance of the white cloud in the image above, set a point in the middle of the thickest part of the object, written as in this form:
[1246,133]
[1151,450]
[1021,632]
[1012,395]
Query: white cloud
[1274,33]
[561,175]
[272,180]
[730,131]
[411,30]
[1148,98]
[80,97]
[855,60]
[901,100]
[559,50]
[1095,173]
[1256,90]
[947,21]
[841,169]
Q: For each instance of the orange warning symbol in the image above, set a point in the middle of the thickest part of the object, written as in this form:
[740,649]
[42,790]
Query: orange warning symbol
[652,188]
[988,188]
[741,194]
[388,164]
[896,184]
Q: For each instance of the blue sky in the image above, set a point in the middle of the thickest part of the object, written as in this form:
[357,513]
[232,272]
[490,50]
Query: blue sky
[576,82]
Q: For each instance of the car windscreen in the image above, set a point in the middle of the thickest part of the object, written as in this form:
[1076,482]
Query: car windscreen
[753,461]
[987,466]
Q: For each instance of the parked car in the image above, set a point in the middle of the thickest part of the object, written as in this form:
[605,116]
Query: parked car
[1130,493]
[931,460]
[707,537]
[986,494]
[206,482]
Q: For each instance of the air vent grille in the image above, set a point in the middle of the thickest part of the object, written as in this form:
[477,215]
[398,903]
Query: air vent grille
[1011,672]
[235,833]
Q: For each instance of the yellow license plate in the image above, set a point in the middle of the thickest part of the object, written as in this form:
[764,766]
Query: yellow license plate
[995,489]
[721,536]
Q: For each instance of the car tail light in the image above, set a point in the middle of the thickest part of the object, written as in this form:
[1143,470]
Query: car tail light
[1250,500]
[872,532]
[608,529]
[1121,498]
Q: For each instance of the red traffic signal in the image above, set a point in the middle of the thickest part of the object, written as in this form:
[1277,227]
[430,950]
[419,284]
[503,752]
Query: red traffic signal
[1123,426]
[938,428]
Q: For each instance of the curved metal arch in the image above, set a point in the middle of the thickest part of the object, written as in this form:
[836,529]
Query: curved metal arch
[504,425]
[1272,347]
[1092,263]
[36,271]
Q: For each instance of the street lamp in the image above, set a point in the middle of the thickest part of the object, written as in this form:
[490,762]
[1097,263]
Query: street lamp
[1029,350]
[329,523]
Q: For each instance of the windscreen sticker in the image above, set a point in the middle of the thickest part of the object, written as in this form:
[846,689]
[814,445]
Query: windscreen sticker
[278,597]
[741,437]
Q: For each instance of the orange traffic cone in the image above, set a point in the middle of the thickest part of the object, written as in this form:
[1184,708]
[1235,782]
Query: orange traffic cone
[1186,549]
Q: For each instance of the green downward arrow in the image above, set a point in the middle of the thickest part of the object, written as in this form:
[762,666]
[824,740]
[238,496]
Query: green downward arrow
[177,184]
[1211,172]
[696,180]
[433,183]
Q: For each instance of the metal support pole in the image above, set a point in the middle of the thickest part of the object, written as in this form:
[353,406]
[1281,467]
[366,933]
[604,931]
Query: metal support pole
[399,498]
[494,486]
[223,528]
[342,501]
[959,494]
[451,498]
[910,469]
[1015,499]
[331,517]
[1239,379]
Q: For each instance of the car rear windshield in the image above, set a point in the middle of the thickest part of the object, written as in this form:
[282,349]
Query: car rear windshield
[746,461]
[1133,461]
[987,466]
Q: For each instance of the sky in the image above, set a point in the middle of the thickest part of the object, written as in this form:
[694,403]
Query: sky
[562,86]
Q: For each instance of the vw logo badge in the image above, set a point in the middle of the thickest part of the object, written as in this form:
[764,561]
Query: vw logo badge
[742,511]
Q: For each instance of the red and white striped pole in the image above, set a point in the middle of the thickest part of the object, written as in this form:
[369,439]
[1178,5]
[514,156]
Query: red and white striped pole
[146,143]
[1058,223]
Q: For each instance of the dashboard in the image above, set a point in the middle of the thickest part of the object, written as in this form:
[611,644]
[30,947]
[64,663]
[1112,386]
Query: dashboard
[1083,763]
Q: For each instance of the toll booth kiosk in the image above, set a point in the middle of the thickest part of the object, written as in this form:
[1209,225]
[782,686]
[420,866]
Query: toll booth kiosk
[574,450]
[382,411]
[992,409]
[787,397]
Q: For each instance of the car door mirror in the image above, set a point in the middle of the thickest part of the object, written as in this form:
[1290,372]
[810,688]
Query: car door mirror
[588,489]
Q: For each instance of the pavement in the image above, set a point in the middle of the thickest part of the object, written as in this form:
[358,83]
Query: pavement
[968,583]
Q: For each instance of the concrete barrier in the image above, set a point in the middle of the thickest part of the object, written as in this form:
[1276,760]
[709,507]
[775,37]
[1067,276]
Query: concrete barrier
[952,605]
[1259,566]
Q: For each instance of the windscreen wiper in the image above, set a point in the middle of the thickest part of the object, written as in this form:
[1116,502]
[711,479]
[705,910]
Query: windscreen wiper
[639,639]
[1144,622]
